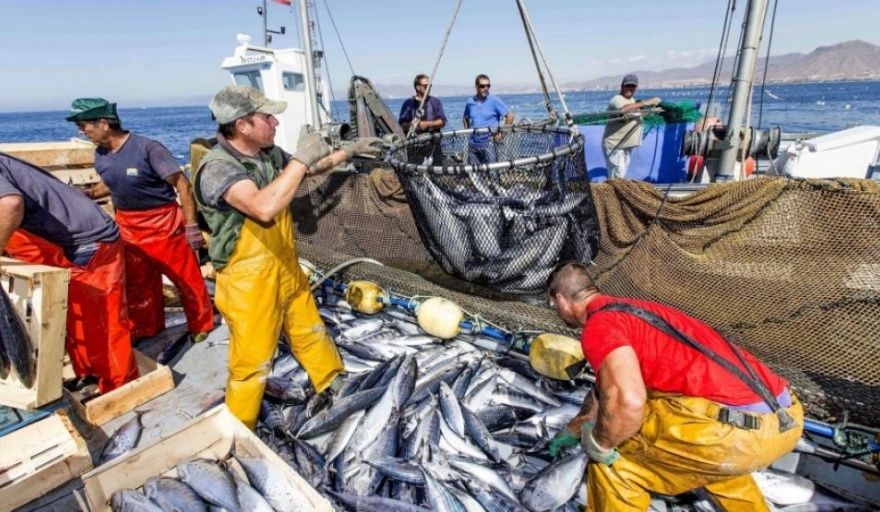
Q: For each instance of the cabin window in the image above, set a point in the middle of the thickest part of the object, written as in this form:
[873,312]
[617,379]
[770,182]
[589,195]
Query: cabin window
[251,78]
[293,82]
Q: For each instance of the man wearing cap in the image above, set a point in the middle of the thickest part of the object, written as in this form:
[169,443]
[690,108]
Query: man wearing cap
[624,131]
[44,221]
[484,110]
[676,407]
[144,181]
[244,187]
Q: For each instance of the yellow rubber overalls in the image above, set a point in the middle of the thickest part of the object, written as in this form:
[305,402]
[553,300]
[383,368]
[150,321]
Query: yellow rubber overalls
[261,291]
[681,447]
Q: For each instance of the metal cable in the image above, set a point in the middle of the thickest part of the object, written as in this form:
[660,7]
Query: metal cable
[530,38]
[767,63]
[339,37]
[419,112]
[529,29]
[722,45]
[334,109]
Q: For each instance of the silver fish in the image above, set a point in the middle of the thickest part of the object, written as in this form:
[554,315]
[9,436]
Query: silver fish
[173,495]
[211,482]
[375,504]
[248,497]
[555,484]
[282,493]
[127,500]
[451,409]
[123,440]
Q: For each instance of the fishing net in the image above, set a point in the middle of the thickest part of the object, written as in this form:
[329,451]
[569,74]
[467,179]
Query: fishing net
[500,208]
[669,112]
[786,268]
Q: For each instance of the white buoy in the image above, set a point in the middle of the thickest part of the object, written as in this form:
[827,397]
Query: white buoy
[556,356]
[440,317]
[365,296]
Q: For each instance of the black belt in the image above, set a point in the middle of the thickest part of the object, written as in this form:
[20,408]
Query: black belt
[741,419]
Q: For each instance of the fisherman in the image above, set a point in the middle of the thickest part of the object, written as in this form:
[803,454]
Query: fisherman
[44,221]
[675,407]
[432,118]
[161,237]
[484,110]
[624,132]
[244,187]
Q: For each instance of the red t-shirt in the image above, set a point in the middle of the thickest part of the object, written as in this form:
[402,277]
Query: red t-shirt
[668,365]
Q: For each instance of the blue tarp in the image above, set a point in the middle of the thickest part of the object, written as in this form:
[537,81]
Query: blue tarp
[657,160]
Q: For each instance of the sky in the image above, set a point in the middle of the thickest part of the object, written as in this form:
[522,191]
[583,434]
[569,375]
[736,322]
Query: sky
[168,52]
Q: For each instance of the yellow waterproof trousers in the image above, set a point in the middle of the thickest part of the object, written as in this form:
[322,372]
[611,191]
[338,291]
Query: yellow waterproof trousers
[261,291]
[682,447]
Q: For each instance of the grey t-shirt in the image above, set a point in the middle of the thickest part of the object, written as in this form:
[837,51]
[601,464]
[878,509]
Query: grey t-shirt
[622,133]
[217,176]
[52,210]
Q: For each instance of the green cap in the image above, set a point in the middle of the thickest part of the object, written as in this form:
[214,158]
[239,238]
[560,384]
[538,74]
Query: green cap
[90,109]
[236,101]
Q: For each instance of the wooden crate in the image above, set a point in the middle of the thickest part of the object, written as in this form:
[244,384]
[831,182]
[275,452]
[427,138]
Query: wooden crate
[38,458]
[155,380]
[39,294]
[53,154]
[211,435]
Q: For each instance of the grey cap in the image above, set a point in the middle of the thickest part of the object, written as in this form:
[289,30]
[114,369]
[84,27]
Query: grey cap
[236,101]
[630,79]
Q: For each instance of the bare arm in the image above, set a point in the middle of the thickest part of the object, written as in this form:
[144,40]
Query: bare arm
[185,193]
[263,204]
[11,215]
[640,104]
[588,412]
[97,191]
[328,162]
[622,396]
[508,119]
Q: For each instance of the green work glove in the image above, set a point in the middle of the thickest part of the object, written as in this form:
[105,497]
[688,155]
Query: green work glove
[365,146]
[561,442]
[310,148]
[607,456]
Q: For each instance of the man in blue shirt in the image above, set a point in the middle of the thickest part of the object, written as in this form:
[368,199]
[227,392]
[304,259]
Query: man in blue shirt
[484,110]
[433,119]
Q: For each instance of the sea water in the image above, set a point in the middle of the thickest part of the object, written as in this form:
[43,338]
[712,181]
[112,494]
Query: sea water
[802,108]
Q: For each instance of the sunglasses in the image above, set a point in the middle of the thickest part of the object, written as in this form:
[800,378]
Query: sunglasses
[484,86]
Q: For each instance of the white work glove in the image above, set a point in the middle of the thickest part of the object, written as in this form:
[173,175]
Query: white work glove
[370,147]
[311,148]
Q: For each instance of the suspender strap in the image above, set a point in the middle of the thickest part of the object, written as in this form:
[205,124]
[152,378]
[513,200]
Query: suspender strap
[786,422]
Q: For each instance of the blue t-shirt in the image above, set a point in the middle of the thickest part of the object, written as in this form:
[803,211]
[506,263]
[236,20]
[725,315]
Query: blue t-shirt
[53,210]
[136,173]
[486,113]
[433,110]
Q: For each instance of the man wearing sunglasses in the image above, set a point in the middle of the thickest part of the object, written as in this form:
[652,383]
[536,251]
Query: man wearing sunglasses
[432,119]
[484,110]
[623,132]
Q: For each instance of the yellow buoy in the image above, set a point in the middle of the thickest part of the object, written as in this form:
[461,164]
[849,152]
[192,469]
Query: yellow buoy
[556,356]
[440,317]
[365,296]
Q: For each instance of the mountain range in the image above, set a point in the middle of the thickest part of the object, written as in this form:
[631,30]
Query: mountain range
[850,60]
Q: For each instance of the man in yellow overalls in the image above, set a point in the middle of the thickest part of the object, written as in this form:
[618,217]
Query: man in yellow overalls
[244,187]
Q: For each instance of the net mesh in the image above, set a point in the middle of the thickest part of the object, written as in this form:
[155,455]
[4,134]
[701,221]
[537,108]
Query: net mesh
[500,208]
[786,268]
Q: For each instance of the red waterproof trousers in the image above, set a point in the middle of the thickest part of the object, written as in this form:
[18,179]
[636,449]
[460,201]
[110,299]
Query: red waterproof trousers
[98,337]
[155,244]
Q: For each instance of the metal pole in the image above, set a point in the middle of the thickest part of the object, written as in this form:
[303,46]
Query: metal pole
[306,34]
[742,85]
[265,25]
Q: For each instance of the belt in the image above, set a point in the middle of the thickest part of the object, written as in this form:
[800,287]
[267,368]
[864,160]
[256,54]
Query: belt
[748,417]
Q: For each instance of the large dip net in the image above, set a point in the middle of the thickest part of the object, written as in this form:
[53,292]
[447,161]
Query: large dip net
[786,268]
[500,208]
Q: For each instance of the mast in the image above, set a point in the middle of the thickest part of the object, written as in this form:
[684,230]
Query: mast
[306,34]
[742,86]
[265,15]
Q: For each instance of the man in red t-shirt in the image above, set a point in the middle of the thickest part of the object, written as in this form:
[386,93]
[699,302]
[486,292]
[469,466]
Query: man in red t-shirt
[675,407]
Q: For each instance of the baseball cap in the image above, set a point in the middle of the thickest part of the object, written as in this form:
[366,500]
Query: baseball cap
[630,79]
[236,101]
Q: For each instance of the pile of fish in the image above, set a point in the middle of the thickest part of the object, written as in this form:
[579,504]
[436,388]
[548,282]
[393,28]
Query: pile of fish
[239,483]
[422,423]
[16,348]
